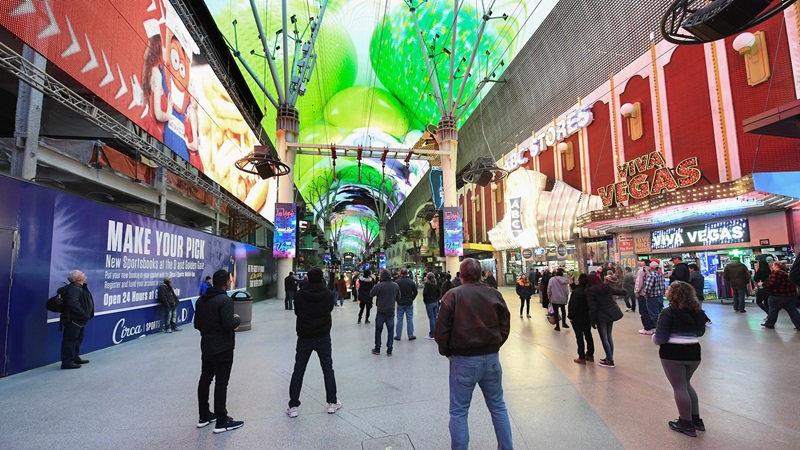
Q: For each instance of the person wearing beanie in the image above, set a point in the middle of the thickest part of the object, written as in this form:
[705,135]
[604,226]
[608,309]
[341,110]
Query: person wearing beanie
[169,301]
[386,294]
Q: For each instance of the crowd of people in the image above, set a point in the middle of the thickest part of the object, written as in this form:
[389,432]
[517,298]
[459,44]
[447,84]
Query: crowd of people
[469,320]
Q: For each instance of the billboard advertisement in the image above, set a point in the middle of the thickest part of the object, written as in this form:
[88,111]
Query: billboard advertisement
[139,57]
[453,232]
[285,240]
[125,257]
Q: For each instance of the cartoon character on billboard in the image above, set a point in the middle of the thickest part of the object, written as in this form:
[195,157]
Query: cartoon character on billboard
[167,80]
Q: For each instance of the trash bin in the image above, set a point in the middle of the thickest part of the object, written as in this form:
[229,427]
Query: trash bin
[243,306]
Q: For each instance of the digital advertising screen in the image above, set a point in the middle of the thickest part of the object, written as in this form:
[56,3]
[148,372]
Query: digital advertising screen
[453,232]
[285,238]
[137,56]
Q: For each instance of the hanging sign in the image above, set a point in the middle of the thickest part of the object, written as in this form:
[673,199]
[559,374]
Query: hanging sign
[527,254]
[515,212]
[284,241]
[641,185]
[437,187]
[382,260]
[453,232]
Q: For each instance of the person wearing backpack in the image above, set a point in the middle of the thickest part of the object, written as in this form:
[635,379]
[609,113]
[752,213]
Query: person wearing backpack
[78,309]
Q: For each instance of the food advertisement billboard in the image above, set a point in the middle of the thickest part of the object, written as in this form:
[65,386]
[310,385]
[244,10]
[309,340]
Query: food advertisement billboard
[139,57]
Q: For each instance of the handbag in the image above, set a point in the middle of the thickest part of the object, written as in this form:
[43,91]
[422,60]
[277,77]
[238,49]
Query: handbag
[616,313]
[551,314]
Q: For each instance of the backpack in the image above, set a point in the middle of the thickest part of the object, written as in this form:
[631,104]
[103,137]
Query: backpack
[56,302]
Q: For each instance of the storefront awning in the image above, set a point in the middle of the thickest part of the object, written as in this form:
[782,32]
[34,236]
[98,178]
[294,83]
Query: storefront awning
[781,121]
[753,194]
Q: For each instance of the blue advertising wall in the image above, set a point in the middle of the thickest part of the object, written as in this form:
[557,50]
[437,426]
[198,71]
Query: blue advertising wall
[125,257]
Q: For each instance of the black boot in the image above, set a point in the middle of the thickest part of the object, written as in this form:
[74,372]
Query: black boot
[683,426]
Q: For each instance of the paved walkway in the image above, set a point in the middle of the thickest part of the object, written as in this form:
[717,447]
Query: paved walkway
[142,394]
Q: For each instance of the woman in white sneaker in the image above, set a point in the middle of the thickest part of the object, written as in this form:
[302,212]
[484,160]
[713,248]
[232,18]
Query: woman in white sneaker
[677,331]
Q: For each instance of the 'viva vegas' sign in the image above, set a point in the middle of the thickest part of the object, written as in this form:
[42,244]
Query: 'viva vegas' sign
[641,185]
[554,134]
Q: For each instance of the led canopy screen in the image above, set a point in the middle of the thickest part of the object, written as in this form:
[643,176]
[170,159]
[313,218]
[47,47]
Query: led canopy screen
[370,85]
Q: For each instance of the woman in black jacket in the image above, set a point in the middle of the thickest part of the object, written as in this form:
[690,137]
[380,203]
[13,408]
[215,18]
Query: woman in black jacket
[578,315]
[677,331]
[365,284]
[431,293]
[603,312]
[763,293]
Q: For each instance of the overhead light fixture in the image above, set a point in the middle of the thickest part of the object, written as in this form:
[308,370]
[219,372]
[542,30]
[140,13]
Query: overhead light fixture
[263,163]
[632,112]
[753,47]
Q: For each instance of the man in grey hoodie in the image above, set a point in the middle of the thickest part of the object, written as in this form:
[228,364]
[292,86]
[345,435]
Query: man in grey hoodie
[386,293]
[558,293]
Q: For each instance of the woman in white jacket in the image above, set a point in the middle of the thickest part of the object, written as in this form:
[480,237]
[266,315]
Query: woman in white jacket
[558,293]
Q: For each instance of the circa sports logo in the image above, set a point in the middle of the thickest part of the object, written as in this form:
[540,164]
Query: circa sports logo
[121,332]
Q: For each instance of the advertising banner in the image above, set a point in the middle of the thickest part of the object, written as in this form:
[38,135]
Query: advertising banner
[139,57]
[734,231]
[625,243]
[382,261]
[437,187]
[125,258]
[284,245]
[453,232]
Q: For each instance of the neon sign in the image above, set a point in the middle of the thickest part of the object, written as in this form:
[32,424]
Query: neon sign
[641,185]
[734,231]
[555,133]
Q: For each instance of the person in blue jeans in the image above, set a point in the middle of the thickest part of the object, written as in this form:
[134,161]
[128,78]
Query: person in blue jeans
[474,322]
[654,288]
[405,306]
[430,296]
[386,294]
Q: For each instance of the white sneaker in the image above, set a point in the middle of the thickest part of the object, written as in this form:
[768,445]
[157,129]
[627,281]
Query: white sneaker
[642,331]
[292,412]
[649,332]
[429,338]
[333,407]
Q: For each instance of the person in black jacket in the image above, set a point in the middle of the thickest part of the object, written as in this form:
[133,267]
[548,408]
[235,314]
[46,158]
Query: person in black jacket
[290,285]
[680,270]
[543,288]
[312,306]
[365,284]
[762,275]
[578,315]
[603,312]
[405,306]
[698,282]
[169,302]
[524,291]
[431,293]
[677,331]
[214,318]
[490,279]
[78,309]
